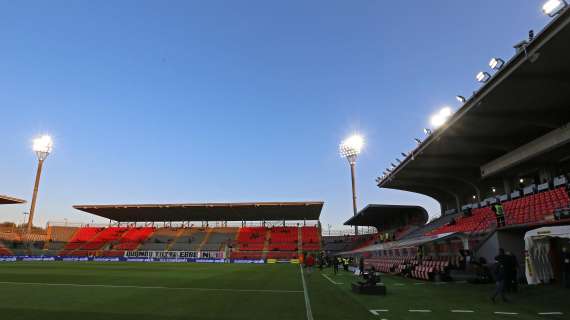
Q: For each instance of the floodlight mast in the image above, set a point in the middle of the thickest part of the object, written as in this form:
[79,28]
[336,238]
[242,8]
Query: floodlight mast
[350,149]
[42,147]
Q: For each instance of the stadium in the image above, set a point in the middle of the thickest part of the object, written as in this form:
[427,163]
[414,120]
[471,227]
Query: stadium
[501,186]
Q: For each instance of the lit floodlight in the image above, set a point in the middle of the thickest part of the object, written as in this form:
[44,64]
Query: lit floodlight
[43,146]
[440,118]
[474,197]
[521,180]
[553,7]
[483,76]
[496,63]
[445,112]
[350,148]
[493,189]
[418,141]
[461,99]
[427,131]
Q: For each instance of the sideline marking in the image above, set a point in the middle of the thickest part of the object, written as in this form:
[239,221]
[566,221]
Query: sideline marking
[419,310]
[306,294]
[376,312]
[329,279]
[550,313]
[462,311]
[419,283]
[145,287]
[399,284]
[507,313]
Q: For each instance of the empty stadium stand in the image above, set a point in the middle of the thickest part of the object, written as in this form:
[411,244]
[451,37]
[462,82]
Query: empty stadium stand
[529,209]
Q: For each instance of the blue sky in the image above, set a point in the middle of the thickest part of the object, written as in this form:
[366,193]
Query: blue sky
[215,101]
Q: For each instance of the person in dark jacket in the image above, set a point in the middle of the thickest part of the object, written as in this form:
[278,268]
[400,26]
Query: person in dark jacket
[511,272]
[565,267]
[499,274]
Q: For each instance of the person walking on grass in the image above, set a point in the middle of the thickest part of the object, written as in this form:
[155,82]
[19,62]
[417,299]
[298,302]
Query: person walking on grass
[309,263]
[499,274]
[335,265]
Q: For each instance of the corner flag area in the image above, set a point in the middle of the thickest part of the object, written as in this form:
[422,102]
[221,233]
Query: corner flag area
[58,290]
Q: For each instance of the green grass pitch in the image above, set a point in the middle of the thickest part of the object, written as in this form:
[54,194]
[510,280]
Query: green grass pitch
[71,290]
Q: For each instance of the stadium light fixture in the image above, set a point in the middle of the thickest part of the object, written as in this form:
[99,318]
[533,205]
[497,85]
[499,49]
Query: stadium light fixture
[521,180]
[350,148]
[404,154]
[42,146]
[554,7]
[393,165]
[483,76]
[474,197]
[460,99]
[493,189]
[398,159]
[418,141]
[496,63]
[438,119]
[427,131]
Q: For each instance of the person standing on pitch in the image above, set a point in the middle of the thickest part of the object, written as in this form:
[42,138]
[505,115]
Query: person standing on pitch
[309,263]
[565,267]
[499,274]
[335,265]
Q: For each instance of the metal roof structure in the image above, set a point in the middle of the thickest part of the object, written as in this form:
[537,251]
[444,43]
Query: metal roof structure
[254,211]
[10,200]
[387,216]
[518,121]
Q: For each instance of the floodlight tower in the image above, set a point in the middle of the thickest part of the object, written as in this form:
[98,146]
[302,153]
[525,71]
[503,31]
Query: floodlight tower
[350,149]
[42,147]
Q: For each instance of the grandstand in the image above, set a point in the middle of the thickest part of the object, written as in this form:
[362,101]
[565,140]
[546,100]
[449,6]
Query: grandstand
[520,161]
[273,239]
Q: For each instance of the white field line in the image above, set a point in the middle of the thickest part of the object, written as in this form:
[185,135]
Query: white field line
[419,283]
[146,287]
[329,279]
[550,313]
[506,313]
[419,310]
[399,284]
[462,311]
[376,312]
[306,293]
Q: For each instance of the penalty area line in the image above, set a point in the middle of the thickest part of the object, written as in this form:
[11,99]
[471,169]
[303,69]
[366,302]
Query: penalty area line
[146,287]
[329,279]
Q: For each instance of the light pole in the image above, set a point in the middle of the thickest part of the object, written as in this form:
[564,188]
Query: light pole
[42,147]
[350,149]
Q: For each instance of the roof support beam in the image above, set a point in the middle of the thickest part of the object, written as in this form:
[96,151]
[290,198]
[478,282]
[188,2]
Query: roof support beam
[541,145]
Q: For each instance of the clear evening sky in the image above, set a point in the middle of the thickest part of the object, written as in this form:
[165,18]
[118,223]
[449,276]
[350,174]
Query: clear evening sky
[232,101]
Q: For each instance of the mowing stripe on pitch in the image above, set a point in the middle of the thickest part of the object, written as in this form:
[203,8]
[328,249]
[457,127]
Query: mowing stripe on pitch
[306,293]
[147,287]
[329,279]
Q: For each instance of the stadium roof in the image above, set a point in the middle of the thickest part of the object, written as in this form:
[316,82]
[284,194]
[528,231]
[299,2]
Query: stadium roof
[387,216]
[255,211]
[524,101]
[408,243]
[10,200]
